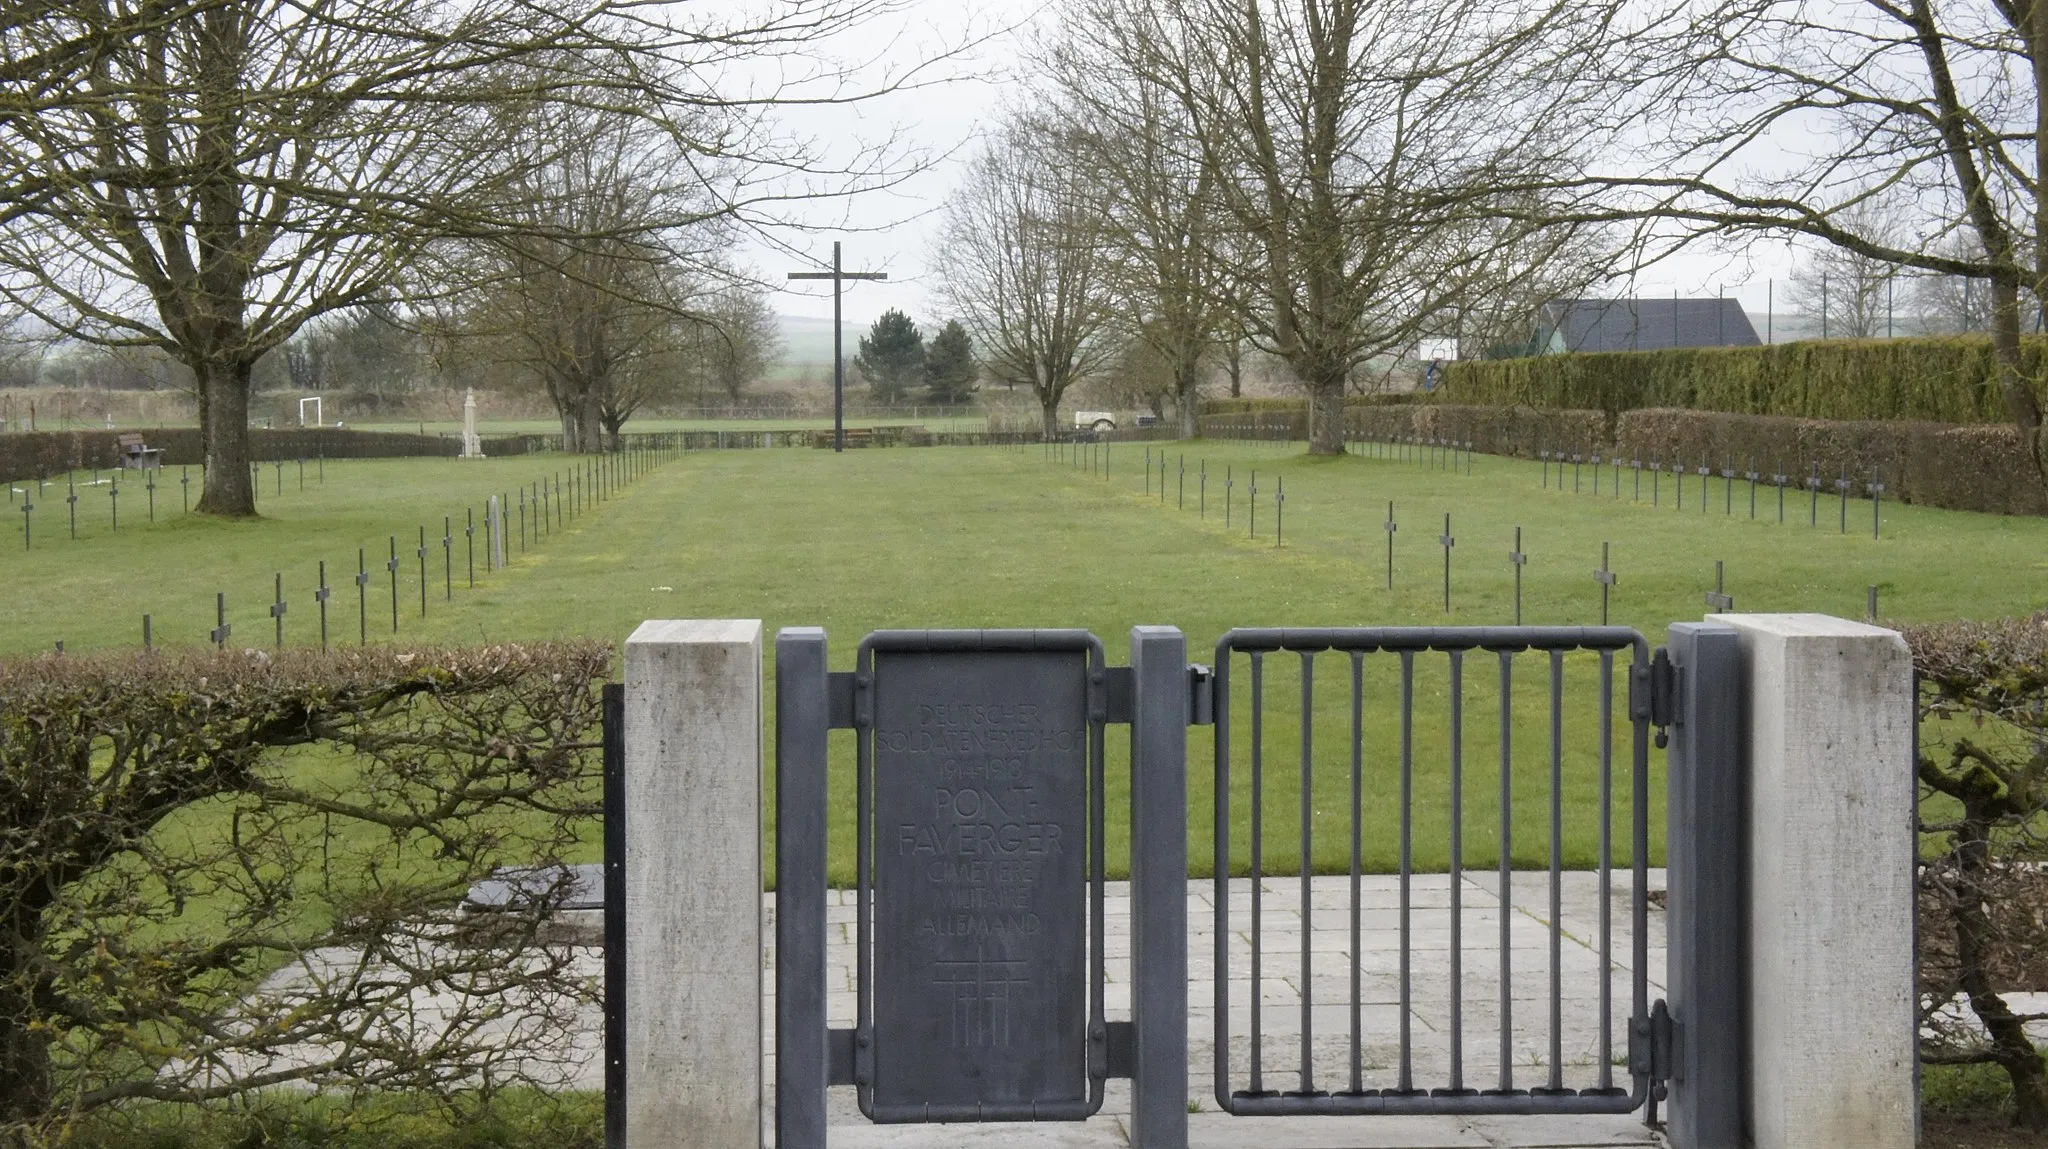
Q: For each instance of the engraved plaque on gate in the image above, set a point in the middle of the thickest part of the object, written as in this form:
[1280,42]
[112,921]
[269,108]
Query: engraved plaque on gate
[980,914]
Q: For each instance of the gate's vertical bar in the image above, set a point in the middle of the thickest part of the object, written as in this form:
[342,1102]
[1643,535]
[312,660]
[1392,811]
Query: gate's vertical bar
[1357,834]
[1706,915]
[1606,870]
[1407,1069]
[1457,1084]
[802,716]
[1557,870]
[1308,712]
[615,915]
[1258,812]
[1159,888]
[1507,825]
[1220,882]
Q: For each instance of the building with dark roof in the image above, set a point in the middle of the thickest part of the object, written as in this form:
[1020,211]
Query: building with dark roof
[1641,325]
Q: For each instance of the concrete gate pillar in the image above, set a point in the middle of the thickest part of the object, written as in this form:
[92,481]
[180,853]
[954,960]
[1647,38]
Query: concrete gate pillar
[1829,741]
[693,884]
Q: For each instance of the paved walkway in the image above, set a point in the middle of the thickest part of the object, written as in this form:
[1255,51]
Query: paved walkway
[566,1049]
[1280,993]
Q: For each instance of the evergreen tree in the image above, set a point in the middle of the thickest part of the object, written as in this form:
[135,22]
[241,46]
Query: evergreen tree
[949,366]
[891,357]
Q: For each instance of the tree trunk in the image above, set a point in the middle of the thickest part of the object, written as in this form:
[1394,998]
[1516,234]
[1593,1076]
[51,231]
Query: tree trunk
[1326,414]
[224,436]
[2010,1046]
[24,1053]
[1051,411]
[590,423]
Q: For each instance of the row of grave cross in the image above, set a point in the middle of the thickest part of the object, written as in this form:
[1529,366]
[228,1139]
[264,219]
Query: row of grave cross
[1159,467]
[544,506]
[112,482]
[1813,483]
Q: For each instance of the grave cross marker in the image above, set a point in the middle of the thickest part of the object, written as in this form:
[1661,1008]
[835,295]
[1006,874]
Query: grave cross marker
[1180,494]
[320,595]
[221,630]
[1253,514]
[1544,455]
[1870,608]
[1202,491]
[1390,528]
[114,503]
[469,537]
[1752,476]
[1778,481]
[1520,560]
[149,484]
[1229,483]
[1728,487]
[27,528]
[1279,509]
[392,566]
[447,558]
[1705,482]
[362,597]
[1637,466]
[277,612]
[423,572]
[1656,481]
[1842,488]
[1716,599]
[1813,499]
[1606,578]
[148,637]
[185,481]
[72,499]
[1448,542]
[1876,497]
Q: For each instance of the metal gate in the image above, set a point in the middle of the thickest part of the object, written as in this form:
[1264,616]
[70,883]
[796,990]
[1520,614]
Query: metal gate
[1463,757]
[1576,713]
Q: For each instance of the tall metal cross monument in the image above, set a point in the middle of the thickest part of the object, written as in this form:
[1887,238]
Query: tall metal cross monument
[838,276]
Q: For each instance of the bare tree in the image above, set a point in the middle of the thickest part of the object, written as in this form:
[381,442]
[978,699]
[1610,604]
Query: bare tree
[208,176]
[1024,265]
[1358,147]
[1794,119]
[1161,216]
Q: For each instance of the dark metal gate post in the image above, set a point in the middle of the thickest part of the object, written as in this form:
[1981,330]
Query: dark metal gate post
[1706,846]
[1159,887]
[802,717]
[615,915]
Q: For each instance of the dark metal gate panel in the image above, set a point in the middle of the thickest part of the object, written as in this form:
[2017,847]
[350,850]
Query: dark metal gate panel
[980,756]
[1332,1088]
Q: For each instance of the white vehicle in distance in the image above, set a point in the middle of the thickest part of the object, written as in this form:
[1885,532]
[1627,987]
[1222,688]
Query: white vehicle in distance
[1095,420]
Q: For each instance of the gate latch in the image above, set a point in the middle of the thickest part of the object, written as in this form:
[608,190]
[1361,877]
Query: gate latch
[1652,1046]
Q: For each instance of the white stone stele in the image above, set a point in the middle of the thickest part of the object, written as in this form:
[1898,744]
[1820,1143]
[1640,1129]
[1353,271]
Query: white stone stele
[472,445]
[693,884]
[1831,814]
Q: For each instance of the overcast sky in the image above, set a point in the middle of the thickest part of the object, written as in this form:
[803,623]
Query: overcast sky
[892,231]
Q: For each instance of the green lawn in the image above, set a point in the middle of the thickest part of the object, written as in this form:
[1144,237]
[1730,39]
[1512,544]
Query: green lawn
[488,427]
[993,537]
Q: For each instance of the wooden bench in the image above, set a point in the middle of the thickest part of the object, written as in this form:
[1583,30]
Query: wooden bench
[137,455]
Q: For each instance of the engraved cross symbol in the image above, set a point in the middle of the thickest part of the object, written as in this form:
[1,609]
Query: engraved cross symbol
[984,995]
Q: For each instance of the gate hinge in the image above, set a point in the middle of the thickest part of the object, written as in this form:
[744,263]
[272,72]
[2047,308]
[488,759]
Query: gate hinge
[839,1057]
[1653,694]
[1120,1048]
[839,692]
[1653,1044]
[1201,695]
[1119,694]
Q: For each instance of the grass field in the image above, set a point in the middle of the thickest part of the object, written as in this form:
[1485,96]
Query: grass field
[489,427]
[993,537]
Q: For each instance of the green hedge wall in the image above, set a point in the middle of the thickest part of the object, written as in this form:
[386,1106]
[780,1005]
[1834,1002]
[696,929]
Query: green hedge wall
[1983,467]
[1948,379]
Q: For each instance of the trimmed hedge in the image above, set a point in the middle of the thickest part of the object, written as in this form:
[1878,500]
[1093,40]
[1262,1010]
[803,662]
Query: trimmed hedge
[1270,403]
[32,455]
[1946,379]
[1980,467]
